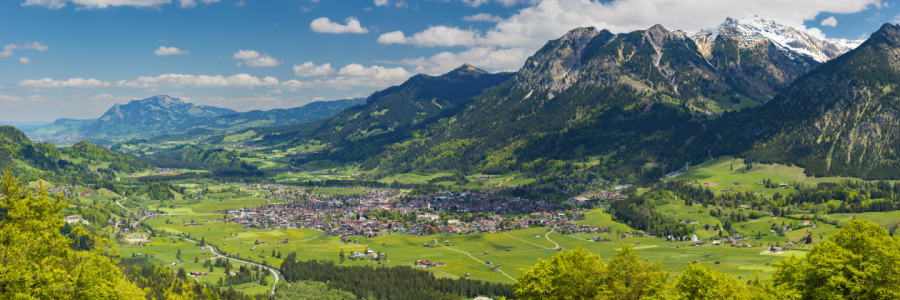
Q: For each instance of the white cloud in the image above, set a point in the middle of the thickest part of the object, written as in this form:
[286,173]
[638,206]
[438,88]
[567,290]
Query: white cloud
[163,51]
[382,2]
[507,3]
[9,98]
[354,75]
[254,59]
[393,37]
[165,80]
[324,25]
[275,91]
[483,57]
[192,3]
[831,21]
[89,4]
[24,60]
[444,36]
[103,97]
[309,69]
[7,50]
[35,46]
[482,17]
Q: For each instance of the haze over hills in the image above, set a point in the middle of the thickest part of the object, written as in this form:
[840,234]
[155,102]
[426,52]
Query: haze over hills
[163,114]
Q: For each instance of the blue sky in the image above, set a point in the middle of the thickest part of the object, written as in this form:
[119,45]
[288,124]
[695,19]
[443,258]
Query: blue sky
[76,58]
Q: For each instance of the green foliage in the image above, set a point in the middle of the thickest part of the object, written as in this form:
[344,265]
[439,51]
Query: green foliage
[701,283]
[577,274]
[311,290]
[38,260]
[118,162]
[400,283]
[859,262]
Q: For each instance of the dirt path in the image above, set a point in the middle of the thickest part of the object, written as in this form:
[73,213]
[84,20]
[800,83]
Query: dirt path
[524,241]
[478,260]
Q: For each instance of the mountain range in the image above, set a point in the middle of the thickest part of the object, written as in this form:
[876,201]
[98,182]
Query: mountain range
[642,103]
[163,114]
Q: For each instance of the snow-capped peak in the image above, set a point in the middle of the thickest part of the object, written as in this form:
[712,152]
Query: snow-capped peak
[754,29]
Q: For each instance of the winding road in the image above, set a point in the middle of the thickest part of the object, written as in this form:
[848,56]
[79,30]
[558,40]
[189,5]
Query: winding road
[273,270]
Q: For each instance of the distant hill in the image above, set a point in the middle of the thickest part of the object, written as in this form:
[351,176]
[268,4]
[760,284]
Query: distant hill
[165,115]
[396,108]
[14,145]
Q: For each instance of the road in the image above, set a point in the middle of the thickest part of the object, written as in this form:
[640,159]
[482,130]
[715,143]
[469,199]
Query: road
[273,270]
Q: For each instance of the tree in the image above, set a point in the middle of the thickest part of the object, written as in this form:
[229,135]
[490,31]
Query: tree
[858,262]
[627,277]
[574,274]
[178,255]
[700,283]
[38,260]
[342,256]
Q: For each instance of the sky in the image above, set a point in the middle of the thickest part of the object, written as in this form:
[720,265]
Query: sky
[76,58]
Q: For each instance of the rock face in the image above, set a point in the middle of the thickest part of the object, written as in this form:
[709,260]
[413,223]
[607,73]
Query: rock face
[752,30]
[743,58]
[843,118]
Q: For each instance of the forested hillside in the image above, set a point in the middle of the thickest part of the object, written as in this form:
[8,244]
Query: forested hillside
[838,120]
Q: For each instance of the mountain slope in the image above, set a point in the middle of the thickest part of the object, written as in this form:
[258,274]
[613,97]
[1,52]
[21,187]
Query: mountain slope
[400,107]
[641,100]
[151,114]
[840,119]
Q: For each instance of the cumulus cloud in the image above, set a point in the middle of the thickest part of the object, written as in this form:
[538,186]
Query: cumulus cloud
[25,60]
[831,21]
[163,51]
[484,57]
[382,2]
[354,75]
[8,49]
[89,4]
[482,17]
[165,80]
[192,3]
[444,36]
[507,3]
[254,59]
[103,97]
[309,69]
[35,46]
[9,98]
[324,25]
[393,37]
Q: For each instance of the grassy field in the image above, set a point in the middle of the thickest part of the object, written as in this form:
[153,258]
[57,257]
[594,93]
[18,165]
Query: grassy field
[462,253]
[725,170]
[165,250]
